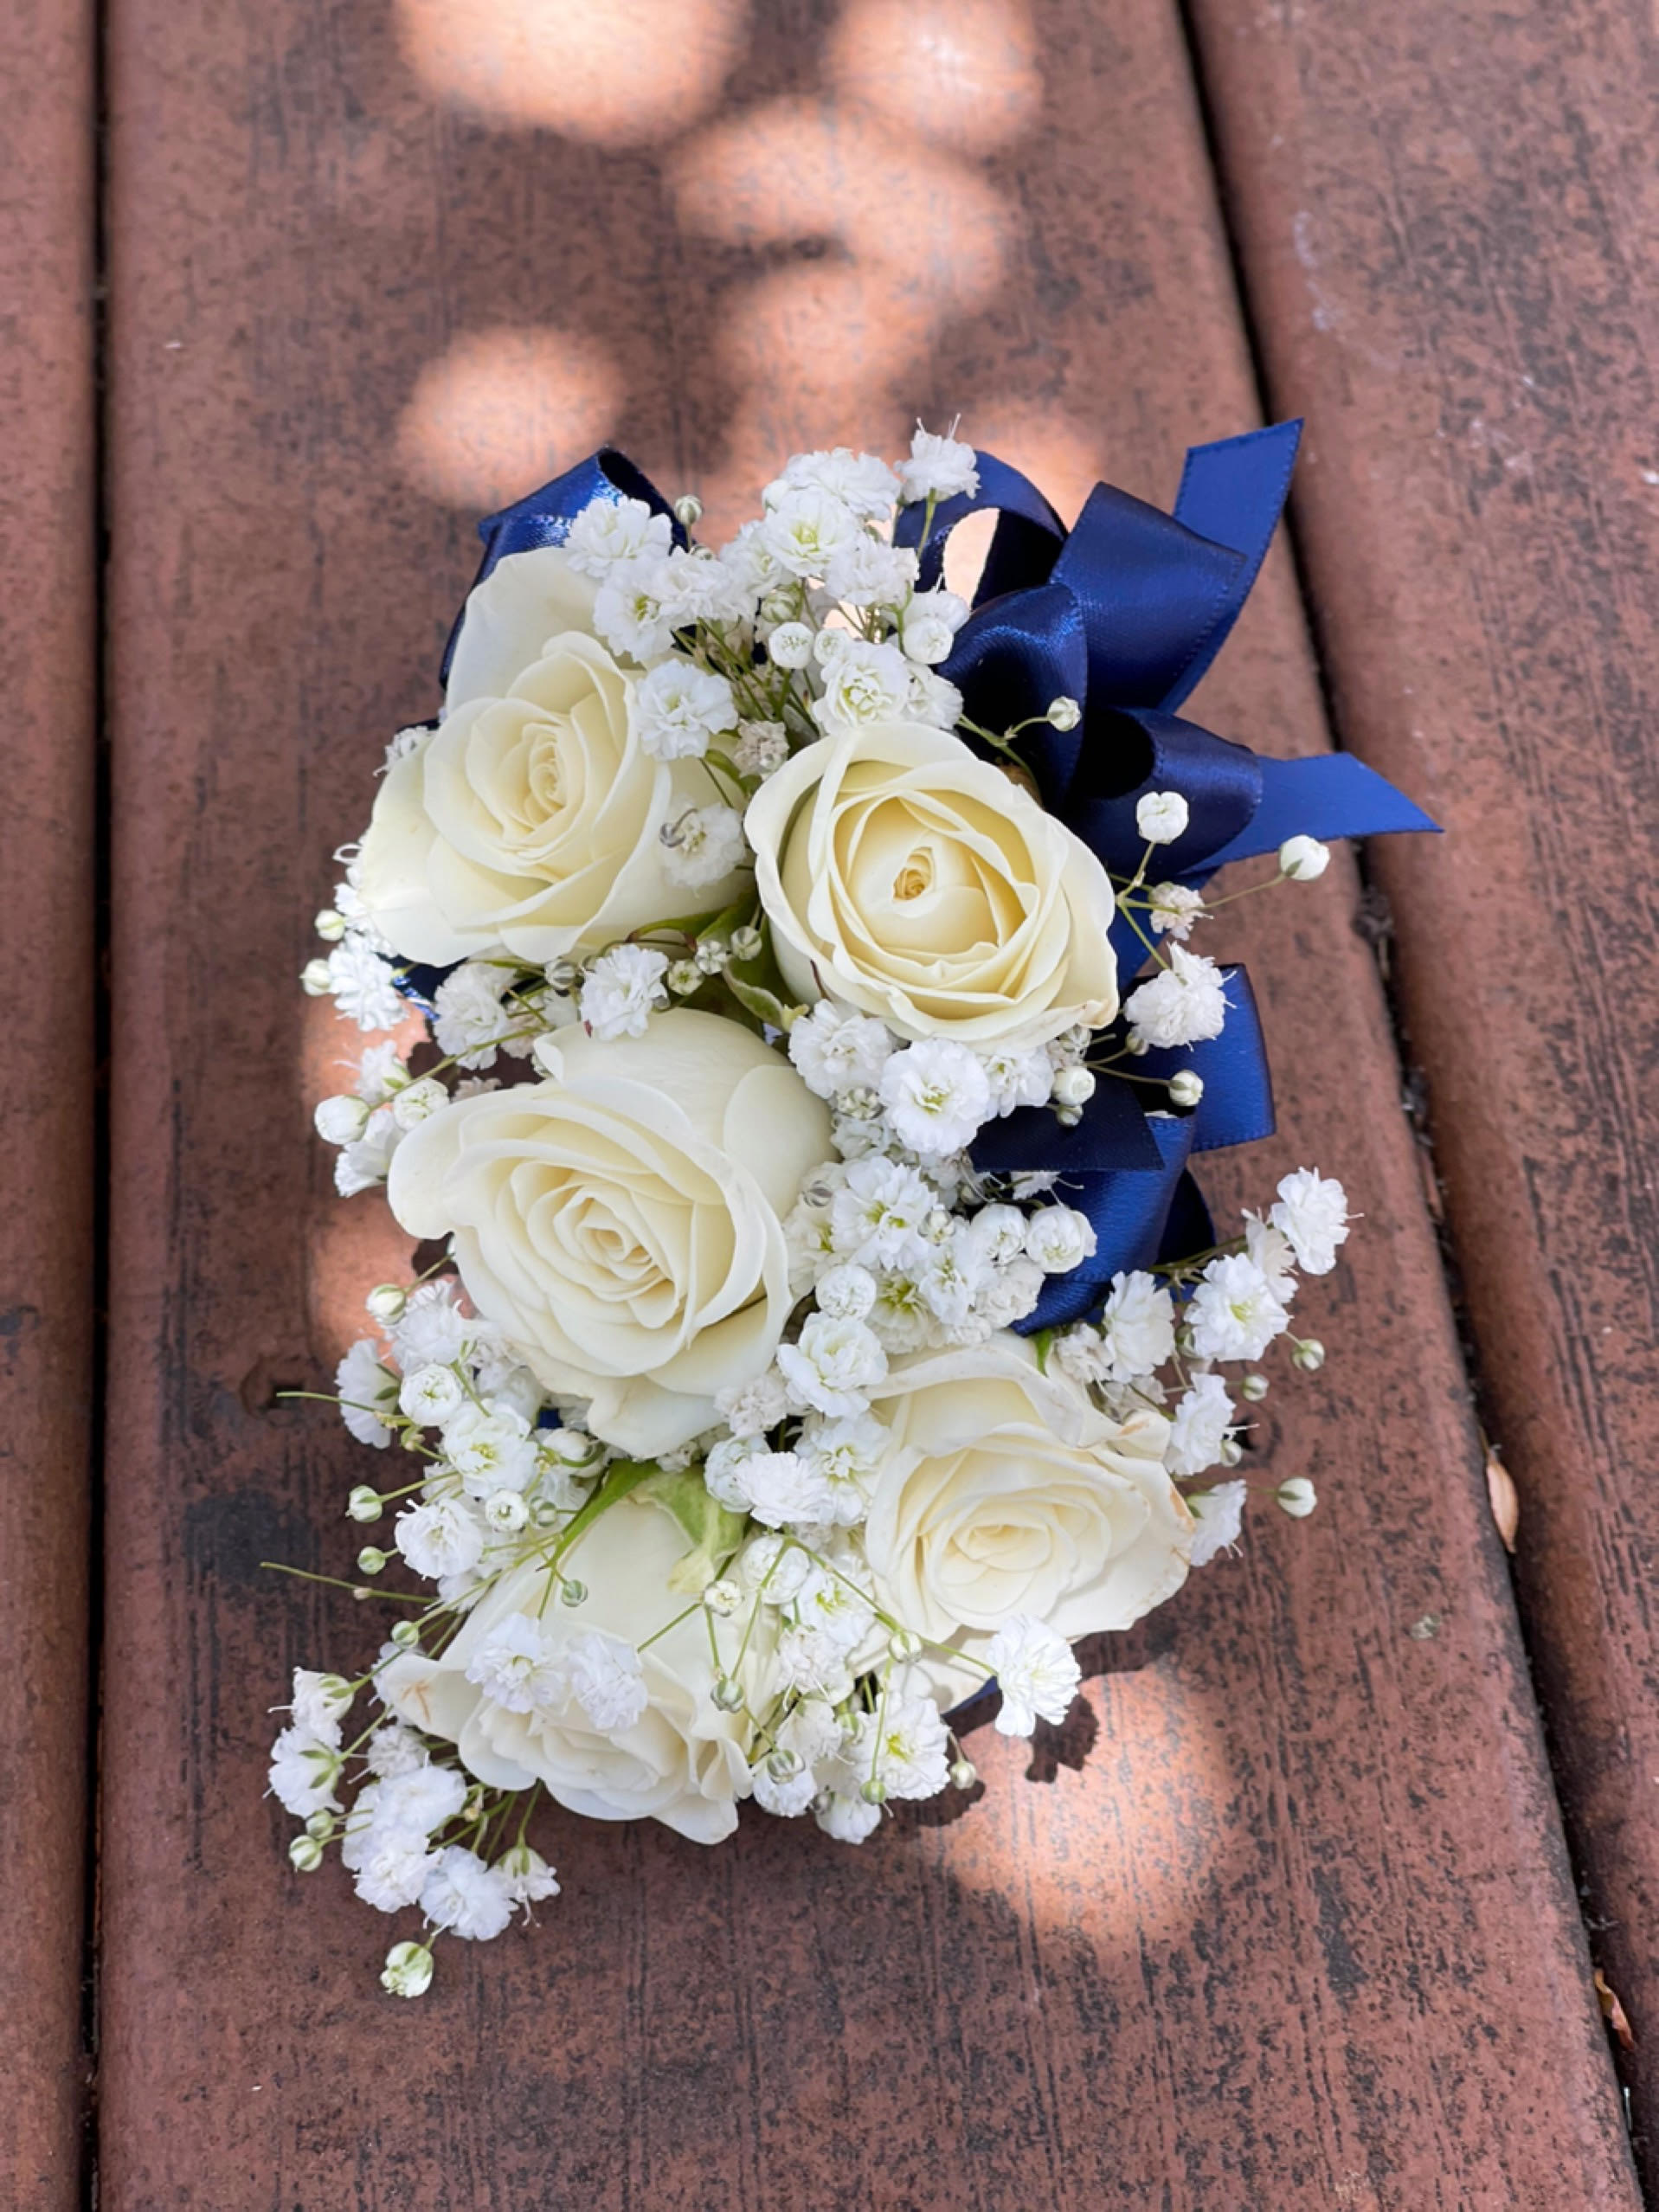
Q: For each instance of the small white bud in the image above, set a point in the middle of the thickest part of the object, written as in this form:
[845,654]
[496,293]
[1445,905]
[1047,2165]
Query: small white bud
[405,1635]
[408,1970]
[874,1792]
[1297,1497]
[305,1854]
[1252,1388]
[340,1120]
[782,1763]
[386,1301]
[506,1512]
[315,980]
[688,509]
[371,1559]
[1162,817]
[790,646]
[1185,1089]
[321,1825]
[1064,713]
[1073,1086]
[904,1644]
[330,926]
[1304,859]
[363,1504]
[683,978]
[727,1694]
[1231,1451]
[723,1598]
[747,943]
[963,1773]
[563,976]
[712,955]
[1309,1354]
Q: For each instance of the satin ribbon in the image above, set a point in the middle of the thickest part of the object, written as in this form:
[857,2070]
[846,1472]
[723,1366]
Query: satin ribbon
[1126,1167]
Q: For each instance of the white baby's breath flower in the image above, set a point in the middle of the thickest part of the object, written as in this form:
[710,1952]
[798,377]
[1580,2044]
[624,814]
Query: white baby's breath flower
[806,527]
[1036,1672]
[366,1390]
[394,1869]
[464,1897]
[1162,817]
[835,1051]
[432,1331]
[834,1364]
[1312,1212]
[677,707]
[303,1769]
[361,984]
[606,1680]
[750,1409]
[933,700]
[878,1212]
[703,846]
[1268,1245]
[517,1665]
[424,1798]
[526,1876]
[380,1073]
[1137,1327]
[864,683]
[1009,1292]
[469,1017]
[441,1538]
[431,1396]
[939,467]
[862,482]
[846,1455]
[782,1491]
[1018,1077]
[1059,1238]
[937,1094]
[491,1447]
[340,1120]
[1173,909]
[1219,1513]
[362,1165]
[610,530]
[911,1745]
[1199,1427]
[396,1749]
[763,746]
[319,1702]
[1233,1313]
[628,611]
[868,572]
[845,1291]
[1000,1232]
[848,1818]
[1182,1004]
[621,990]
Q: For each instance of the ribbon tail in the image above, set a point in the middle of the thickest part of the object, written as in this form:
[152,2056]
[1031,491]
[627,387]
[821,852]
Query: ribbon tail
[1232,491]
[1331,795]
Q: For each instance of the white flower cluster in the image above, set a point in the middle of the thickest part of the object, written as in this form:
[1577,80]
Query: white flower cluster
[732,1460]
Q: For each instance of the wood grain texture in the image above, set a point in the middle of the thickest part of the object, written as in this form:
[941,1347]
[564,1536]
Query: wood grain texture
[1447,217]
[49,647]
[1283,1918]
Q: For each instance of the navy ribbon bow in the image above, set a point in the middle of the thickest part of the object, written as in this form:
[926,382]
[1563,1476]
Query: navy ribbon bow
[1124,613]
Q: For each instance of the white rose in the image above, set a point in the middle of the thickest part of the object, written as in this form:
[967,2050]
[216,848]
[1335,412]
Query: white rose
[531,817]
[915,881]
[683,1761]
[622,1225]
[1004,1491]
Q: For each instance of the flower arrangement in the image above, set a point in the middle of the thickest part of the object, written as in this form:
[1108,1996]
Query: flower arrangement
[822,1327]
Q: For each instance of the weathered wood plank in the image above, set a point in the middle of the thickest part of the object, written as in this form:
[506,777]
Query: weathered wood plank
[1286,1921]
[1447,216]
[49,647]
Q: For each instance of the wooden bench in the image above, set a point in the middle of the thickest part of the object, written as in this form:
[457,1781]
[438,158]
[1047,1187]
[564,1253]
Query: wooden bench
[1303,1911]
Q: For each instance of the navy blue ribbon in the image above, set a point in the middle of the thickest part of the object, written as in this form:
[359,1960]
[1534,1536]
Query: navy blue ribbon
[544,518]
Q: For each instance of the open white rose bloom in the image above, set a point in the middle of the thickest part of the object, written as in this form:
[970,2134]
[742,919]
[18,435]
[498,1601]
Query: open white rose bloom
[789,1382]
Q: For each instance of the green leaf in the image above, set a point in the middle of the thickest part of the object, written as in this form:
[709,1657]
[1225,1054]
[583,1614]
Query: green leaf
[713,1533]
[1040,1344]
[765,1006]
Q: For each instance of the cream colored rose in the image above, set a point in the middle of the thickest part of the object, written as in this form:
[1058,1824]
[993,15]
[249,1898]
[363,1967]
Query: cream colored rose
[681,1761]
[1005,1491]
[622,1224]
[911,880]
[531,817]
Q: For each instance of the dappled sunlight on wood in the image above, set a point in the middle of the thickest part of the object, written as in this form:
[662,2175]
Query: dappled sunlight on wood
[612,72]
[502,409]
[962,71]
